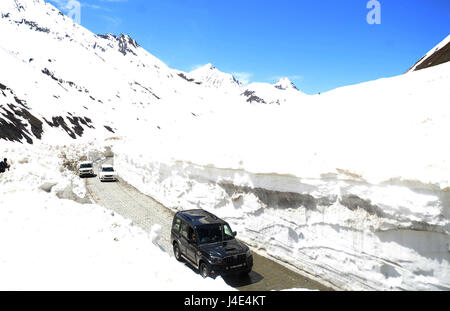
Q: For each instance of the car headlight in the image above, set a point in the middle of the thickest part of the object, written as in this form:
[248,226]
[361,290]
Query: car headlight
[216,260]
[248,253]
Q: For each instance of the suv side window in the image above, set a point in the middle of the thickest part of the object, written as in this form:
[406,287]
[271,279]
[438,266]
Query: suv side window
[177,224]
[184,229]
[228,234]
[191,235]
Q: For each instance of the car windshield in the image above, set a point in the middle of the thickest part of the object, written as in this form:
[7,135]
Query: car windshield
[88,165]
[107,169]
[214,233]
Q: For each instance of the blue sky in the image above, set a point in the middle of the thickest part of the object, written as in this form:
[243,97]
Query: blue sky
[320,45]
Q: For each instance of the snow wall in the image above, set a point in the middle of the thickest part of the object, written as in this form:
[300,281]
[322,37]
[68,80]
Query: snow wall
[338,229]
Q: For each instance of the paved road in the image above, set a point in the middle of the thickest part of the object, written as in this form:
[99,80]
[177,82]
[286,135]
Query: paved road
[145,212]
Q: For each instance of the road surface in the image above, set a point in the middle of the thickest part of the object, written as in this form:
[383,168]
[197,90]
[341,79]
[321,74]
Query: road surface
[145,212]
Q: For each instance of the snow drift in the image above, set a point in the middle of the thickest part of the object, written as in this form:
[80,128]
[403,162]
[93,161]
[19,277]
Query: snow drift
[351,187]
[50,243]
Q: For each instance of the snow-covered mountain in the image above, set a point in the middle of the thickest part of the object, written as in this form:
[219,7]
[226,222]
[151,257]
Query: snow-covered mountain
[210,76]
[65,73]
[438,55]
[351,186]
[81,84]
[285,84]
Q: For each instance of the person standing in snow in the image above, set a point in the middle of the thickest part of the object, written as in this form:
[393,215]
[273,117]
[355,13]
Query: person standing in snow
[4,165]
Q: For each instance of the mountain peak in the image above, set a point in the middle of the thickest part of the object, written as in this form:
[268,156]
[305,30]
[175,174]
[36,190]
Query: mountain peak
[209,66]
[126,44]
[285,84]
[205,68]
[211,76]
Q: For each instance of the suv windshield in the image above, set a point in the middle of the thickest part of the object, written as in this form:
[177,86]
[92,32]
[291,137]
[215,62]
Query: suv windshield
[107,169]
[86,165]
[214,233]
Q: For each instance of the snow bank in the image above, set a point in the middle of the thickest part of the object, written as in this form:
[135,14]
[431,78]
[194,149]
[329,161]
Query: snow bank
[346,233]
[54,244]
[351,186]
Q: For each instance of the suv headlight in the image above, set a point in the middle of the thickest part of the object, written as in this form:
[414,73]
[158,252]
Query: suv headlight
[248,253]
[216,260]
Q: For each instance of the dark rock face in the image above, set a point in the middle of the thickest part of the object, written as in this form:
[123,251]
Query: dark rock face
[49,73]
[284,84]
[185,78]
[236,80]
[33,26]
[126,43]
[253,98]
[13,127]
[16,121]
[147,90]
[106,36]
[123,46]
[438,57]
[75,129]
[109,128]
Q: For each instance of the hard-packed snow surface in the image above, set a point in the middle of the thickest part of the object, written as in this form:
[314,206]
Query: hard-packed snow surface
[48,243]
[350,186]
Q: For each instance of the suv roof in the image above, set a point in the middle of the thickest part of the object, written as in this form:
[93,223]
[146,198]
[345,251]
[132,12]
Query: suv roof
[86,162]
[199,217]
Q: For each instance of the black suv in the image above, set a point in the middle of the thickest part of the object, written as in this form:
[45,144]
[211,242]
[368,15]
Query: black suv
[208,243]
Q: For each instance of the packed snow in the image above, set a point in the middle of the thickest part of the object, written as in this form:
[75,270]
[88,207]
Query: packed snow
[349,186]
[50,243]
[363,205]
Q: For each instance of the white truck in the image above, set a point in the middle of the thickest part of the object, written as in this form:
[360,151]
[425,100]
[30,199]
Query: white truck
[107,173]
[86,168]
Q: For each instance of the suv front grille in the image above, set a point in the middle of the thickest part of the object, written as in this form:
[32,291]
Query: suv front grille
[235,260]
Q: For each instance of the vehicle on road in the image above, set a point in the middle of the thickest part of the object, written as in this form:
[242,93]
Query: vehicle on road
[208,243]
[86,168]
[107,173]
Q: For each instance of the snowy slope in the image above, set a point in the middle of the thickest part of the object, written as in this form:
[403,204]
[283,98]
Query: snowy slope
[350,186]
[279,93]
[55,55]
[57,244]
[110,80]
[212,77]
[285,84]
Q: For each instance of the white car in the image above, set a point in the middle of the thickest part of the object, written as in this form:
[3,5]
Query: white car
[86,168]
[107,173]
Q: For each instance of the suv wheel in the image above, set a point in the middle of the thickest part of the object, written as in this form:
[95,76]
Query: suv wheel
[176,252]
[204,270]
